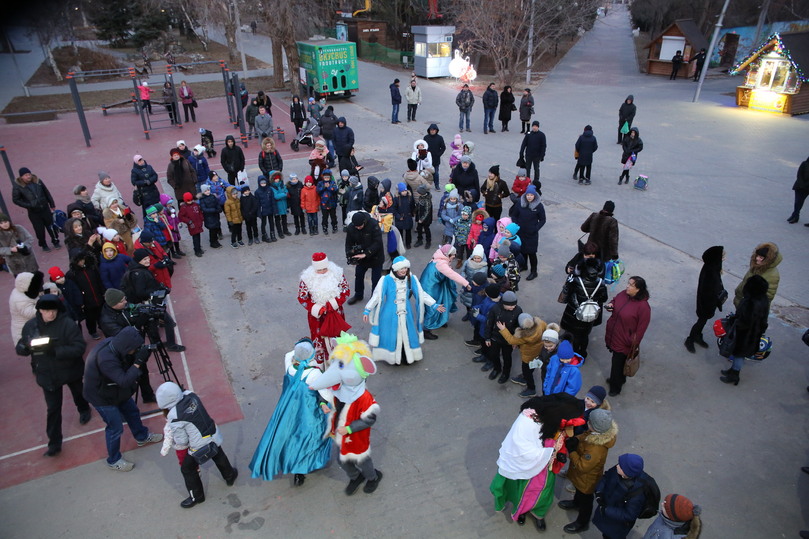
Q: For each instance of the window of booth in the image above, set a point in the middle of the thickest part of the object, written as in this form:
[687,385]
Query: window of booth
[777,74]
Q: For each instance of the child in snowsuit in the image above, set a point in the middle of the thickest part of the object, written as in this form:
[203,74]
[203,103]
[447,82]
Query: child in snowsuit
[310,203]
[294,187]
[564,372]
[249,208]
[505,270]
[461,234]
[280,194]
[449,214]
[172,220]
[211,209]
[233,214]
[457,150]
[327,189]
[478,216]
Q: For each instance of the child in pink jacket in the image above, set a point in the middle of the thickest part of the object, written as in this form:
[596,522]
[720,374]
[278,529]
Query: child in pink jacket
[146,96]
[457,150]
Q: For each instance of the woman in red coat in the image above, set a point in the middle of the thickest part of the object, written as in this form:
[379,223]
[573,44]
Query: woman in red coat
[625,328]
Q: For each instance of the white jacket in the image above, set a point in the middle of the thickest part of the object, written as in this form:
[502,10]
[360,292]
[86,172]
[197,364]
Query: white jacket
[21,307]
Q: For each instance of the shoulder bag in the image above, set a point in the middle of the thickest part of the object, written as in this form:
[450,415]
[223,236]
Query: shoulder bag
[632,363]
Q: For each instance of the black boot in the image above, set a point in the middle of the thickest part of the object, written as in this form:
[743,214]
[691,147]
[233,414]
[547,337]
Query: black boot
[689,344]
[701,342]
[298,230]
[303,227]
[177,249]
[325,230]
[731,377]
[265,238]
[286,226]
[278,227]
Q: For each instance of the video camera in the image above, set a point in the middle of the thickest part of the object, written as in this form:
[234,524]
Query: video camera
[154,309]
[352,252]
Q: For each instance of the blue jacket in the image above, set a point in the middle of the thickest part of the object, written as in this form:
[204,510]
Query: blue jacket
[403,211]
[343,138]
[563,377]
[328,195]
[113,269]
[266,200]
[280,193]
[218,190]
[156,228]
[211,208]
[395,94]
[448,215]
[479,322]
[200,166]
[616,513]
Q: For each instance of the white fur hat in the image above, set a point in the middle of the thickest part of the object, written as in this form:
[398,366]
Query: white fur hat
[400,263]
[478,251]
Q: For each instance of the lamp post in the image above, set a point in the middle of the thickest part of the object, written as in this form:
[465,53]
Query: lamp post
[714,39]
[530,45]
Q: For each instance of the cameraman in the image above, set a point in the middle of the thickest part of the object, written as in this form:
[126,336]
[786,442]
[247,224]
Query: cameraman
[57,362]
[110,377]
[364,236]
[117,313]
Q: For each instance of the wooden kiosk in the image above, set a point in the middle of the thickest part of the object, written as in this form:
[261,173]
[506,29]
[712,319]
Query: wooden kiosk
[776,75]
[681,35]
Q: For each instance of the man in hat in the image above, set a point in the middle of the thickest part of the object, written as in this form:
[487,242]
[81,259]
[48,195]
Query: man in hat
[29,192]
[365,249]
[620,497]
[54,342]
[532,152]
[322,291]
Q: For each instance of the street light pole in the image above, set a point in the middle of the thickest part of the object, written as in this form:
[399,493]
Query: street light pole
[530,45]
[708,54]
[239,43]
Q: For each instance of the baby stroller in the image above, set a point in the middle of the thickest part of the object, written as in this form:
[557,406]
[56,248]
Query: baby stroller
[206,139]
[307,135]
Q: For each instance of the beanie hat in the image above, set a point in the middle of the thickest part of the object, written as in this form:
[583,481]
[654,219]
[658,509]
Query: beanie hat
[411,164]
[309,179]
[535,123]
[764,251]
[211,174]
[550,335]
[525,320]
[421,189]
[521,172]
[320,261]
[504,249]
[205,188]
[78,189]
[24,171]
[311,99]
[50,302]
[401,186]
[453,193]
[565,350]
[600,421]
[140,254]
[509,298]
[113,296]
[495,169]
[4,218]
[187,198]
[679,508]
[303,350]
[146,237]
[201,130]
[180,142]
[597,394]
[609,206]
[631,464]
[137,157]
[447,249]
[55,273]
[400,263]
[479,278]
[513,228]
[152,209]
[466,210]
[199,148]
[466,159]
[492,290]
[344,172]
[354,181]
[327,172]
[109,234]
[531,190]
[320,142]
[357,219]
[102,175]
[395,81]
[175,151]
[449,187]
[478,251]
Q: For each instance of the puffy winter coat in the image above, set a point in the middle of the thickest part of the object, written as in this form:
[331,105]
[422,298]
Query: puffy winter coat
[191,214]
[328,194]
[233,209]
[529,340]
[467,182]
[768,269]
[588,459]
[710,282]
[627,324]
[200,165]
[310,200]
[751,317]
[266,201]
[145,179]
[603,229]
[526,108]
[182,177]
[586,145]
[210,210]
[531,218]
[107,379]
[269,159]
[343,138]
[280,194]
[403,211]
[249,206]
[533,146]
[112,269]
[490,98]
[231,157]
[590,272]
[295,189]
[32,196]
[103,195]
[616,516]
[435,144]
[60,361]
[327,123]
[631,145]
[369,238]
[22,301]
[16,261]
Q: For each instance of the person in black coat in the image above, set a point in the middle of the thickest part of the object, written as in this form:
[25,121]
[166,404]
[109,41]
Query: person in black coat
[532,151]
[490,101]
[751,323]
[625,115]
[529,213]
[29,192]
[586,146]
[363,235]
[232,159]
[249,206]
[56,363]
[436,147]
[506,107]
[343,138]
[396,100]
[144,179]
[83,204]
[84,272]
[138,283]
[801,188]
[297,113]
[709,289]
[466,180]
[632,144]
[586,283]
[211,209]
[620,498]
[328,123]
[371,197]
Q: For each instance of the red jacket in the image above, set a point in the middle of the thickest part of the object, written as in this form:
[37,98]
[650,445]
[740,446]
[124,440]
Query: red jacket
[310,200]
[156,254]
[519,186]
[191,215]
[627,324]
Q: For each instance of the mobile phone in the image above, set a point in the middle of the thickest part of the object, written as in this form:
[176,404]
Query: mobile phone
[40,341]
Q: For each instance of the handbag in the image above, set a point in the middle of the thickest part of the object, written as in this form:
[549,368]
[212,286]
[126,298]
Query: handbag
[575,154]
[563,294]
[632,363]
[513,107]
[206,453]
[581,243]
[625,128]
[194,103]
[521,162]
[721,298]
[137,197]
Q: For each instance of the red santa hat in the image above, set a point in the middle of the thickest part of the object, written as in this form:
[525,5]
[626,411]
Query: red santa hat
[320,261]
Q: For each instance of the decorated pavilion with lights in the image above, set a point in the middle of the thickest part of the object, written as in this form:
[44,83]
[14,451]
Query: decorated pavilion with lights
[776,75]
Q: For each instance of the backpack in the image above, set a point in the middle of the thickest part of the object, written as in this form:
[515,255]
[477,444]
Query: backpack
[641,183]
[59,219]
[588,310]
[651,496]
[613,271]
[137,197]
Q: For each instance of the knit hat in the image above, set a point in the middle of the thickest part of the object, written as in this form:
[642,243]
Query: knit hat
[597,394]
[244,187]
[609,206]
[631,464]
[50,302]
[56,273]
[411,164]
[113,296]
[78,189]
[600,421]
[320,261]
[764,251]
[303,350]
[521,172]
[311,99]
[24,171]
[205,188]
[400,263]
[401,186]
[504,249]
[137,157]
[466,159]
[357,219]
[513,228]
[152,209]
[447,249]
[492,290]
[478,251]
[449,187]
[109,234]
[479,278]
[308,179]
[140,254]
[421,189]
[679,508]
[146,237]
[292,176]
[326,172]
[199,148]
[535,123]
[509,298]
[320,142]
[201,130]
[550,335]
[175,151]
[495,169]
[344,172]
[180,142]
[531,190]
[354,181]
[211,174]
[187,198]
[453,194]
[4,218]
[565,350]
[525,320]
[102,175]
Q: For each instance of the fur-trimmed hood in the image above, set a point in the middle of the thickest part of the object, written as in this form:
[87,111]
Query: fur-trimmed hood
[480,211]
[539,327]
[772,259]
[21,183]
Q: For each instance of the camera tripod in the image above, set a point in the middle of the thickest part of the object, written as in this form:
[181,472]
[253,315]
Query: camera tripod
[158,350]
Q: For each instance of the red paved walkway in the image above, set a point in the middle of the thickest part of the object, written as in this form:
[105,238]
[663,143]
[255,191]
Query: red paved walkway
[56,152]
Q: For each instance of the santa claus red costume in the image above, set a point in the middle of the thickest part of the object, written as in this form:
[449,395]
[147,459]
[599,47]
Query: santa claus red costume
[322,291]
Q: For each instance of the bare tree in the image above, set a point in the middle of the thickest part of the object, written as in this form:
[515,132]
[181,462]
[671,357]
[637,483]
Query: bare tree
[500,31]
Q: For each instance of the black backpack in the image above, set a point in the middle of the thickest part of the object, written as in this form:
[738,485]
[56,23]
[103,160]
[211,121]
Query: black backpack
[651,494]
